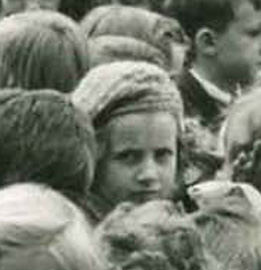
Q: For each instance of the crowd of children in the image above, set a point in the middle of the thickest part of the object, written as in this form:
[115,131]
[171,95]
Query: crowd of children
[130,135]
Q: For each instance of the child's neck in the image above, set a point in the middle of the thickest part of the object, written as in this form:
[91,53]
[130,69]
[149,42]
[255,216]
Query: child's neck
[210,74]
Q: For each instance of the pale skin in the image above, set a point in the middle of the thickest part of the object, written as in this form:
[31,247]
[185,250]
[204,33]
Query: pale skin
[141,158]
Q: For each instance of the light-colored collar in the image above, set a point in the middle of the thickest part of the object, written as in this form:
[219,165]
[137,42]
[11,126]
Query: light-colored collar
[212,90]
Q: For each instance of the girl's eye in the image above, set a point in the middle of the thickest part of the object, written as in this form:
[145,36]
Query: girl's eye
[163,155]
[255,32]
[128,156]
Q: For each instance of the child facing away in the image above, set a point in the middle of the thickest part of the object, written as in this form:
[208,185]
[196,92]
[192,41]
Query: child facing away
[45,139]
[41,49]
[115,33]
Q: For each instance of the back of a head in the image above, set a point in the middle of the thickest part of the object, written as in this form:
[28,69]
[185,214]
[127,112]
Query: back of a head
[159,33]
[41,49]
[45,139]
[41,229]
[120,21]
[108,49]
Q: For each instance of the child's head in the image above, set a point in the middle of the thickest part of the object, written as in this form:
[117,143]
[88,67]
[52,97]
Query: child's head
[41,229]
[45,139]
[9,7]
[128,33]
[225,35]
[136,111]
[243,140]
[41,49]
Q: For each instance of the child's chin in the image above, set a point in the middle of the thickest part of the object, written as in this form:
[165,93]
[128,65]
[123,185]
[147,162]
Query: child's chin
[144,197]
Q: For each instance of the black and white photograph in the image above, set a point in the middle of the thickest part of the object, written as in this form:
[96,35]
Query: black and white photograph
[130,134]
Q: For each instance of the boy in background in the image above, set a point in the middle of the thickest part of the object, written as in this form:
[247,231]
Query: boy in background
[225,57]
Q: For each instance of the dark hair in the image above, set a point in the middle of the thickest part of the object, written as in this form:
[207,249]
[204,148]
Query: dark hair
[216,14]
[76,9]
[41,49]
[45,139]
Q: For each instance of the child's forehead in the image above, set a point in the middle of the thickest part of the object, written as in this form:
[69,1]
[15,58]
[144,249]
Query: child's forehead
[135,119]
[139,129]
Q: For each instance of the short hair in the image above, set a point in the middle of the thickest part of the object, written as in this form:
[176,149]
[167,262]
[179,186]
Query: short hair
[42,49]
[37,220]
[196,14]
[45,139]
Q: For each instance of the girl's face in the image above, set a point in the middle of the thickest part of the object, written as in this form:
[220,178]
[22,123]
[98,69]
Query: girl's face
[140,161]
[14,6]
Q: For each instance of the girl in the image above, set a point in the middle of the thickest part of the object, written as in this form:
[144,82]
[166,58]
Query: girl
[137,114]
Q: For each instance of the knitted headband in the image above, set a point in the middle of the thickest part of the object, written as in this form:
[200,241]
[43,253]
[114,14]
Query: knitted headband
[127,87]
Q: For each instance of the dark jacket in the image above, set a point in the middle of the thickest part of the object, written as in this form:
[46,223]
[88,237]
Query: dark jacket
[204,117]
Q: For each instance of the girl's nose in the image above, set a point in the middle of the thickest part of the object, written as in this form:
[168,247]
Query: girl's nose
[148,172]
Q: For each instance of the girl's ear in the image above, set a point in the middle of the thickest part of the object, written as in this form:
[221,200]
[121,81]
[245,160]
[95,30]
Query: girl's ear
[205,41]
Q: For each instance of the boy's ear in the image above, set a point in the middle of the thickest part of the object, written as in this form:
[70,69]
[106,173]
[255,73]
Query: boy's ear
[205,41]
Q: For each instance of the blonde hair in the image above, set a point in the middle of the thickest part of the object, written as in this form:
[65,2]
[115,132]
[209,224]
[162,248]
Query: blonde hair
[33,215]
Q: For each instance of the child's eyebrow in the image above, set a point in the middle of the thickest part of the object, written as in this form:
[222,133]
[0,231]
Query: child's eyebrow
[127,149]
